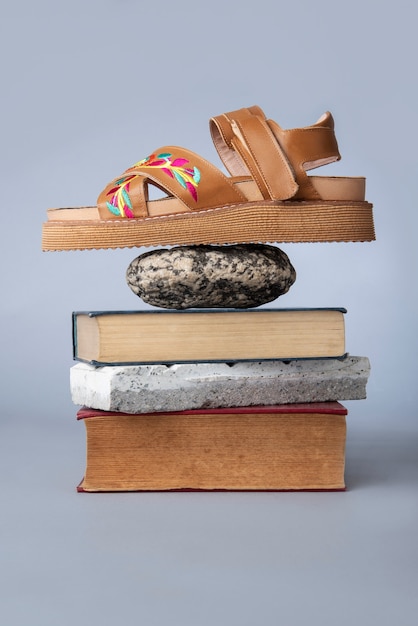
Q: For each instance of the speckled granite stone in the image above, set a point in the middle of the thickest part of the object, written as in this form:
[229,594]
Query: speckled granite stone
[178,387]
[236,276]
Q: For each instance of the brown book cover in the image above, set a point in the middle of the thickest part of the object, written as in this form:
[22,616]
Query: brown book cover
[264,448]
[197,335]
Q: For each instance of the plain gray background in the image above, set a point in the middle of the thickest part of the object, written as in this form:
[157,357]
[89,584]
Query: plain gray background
[89,87]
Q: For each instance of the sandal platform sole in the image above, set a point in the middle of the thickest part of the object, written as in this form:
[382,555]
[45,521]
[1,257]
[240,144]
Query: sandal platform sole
[286,222]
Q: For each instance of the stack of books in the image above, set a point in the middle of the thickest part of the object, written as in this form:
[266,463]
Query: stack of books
[214,399]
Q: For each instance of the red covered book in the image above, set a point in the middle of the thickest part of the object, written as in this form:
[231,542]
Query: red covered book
[283,447]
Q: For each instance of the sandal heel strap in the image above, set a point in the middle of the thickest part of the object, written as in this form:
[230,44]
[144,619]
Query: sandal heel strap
[306,149]
[277,159]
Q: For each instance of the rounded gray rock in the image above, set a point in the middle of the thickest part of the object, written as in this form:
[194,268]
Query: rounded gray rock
[206,276]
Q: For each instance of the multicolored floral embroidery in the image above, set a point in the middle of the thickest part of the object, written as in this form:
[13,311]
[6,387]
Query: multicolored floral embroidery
[175,168]
[120,203]
[188,177]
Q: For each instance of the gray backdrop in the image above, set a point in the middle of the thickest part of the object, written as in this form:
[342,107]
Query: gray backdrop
[89,87]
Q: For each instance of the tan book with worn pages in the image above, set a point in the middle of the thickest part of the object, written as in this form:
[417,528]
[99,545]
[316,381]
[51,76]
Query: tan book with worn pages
[282,447]
[160,336]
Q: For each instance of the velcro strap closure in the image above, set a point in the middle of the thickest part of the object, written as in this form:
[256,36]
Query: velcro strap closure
[223,138]
[264,157]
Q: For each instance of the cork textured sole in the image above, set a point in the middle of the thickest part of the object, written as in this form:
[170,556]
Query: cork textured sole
[286,222]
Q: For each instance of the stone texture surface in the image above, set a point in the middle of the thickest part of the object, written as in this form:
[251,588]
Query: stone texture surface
[236,276]
[153,388]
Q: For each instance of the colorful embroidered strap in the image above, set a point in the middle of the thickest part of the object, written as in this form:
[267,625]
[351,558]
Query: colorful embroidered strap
[179,172]
[120,203]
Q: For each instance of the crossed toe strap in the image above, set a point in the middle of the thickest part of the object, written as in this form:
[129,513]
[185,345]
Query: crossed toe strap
[183,175]
[277,159]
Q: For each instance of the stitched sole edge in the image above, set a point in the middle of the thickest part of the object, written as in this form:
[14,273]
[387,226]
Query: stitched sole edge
[301,222]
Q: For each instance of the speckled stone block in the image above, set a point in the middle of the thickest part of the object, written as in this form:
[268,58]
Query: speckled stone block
[153,388]
[237,276]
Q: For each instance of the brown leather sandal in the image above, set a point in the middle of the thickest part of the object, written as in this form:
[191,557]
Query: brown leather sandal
[267,198]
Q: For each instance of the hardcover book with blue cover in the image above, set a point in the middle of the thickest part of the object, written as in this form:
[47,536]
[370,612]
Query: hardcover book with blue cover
[198,335]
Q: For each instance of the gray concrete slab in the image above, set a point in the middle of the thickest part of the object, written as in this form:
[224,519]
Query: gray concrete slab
[154,388]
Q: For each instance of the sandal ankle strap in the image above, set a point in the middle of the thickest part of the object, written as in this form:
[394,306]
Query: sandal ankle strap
[277,159]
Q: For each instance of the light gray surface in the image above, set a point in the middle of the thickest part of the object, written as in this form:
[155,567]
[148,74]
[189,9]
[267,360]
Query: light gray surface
[200,558]
[88,88]
[149,388]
